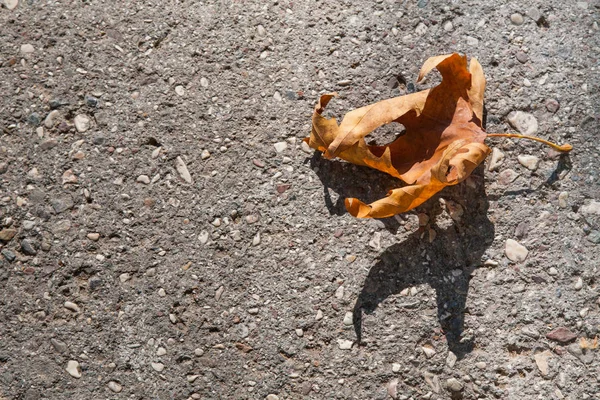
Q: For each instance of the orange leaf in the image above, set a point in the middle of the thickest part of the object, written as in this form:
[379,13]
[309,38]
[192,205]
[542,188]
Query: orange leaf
[442,145]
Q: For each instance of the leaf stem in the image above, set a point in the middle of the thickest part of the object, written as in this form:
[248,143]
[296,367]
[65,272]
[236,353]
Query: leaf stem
[564,148]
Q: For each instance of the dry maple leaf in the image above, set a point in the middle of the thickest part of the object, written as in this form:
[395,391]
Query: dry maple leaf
[442,145]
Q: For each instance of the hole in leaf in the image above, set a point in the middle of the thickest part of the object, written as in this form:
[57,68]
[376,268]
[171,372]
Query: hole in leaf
[386,134]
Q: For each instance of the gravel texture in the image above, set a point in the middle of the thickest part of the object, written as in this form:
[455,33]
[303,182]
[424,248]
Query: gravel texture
[164,234]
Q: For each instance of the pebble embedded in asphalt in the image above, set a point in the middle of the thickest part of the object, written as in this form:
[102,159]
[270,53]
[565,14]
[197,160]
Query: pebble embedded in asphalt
[73,369]
[515,251]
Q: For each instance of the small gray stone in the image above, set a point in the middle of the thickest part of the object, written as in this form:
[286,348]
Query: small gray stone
[375,242]
[8,255]
[421,29]
[516,19]
[143,179]
[594,237]
[28,225]
[531,332]
[34,119]
[59,346]
[592,208]
[48,144]
[62,204]
[448,26]
[28,248]
[472,41]
[524,122]
[91,101]
[585,357]
[522,57]
[552,105]
[454,385]
[535,14]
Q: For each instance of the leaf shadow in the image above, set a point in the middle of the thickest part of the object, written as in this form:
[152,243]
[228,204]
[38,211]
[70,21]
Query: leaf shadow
[446,264]
[340,179]
[564,164]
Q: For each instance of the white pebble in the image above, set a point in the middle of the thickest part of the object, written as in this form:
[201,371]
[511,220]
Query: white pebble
[451,359]
[143,179]
[515,251]
[496,159]
[523,122]
[114,386]
[280,146]
[345,344]
[82,123]
[161,351]
[179,90]
[161,292]
[563,199]
[579,284]
[73,369]
[71,306]
[158,367]
[529,162]
[348,318]
[11,4]
[27,48]
[205,154]
[203,237]
[428,351]
[182,170]
[256,239]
